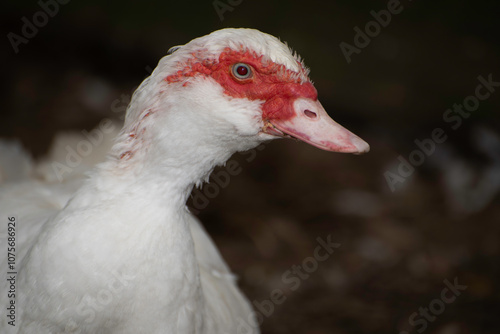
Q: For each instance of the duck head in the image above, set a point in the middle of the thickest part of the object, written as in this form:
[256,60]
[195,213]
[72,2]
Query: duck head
[232,89]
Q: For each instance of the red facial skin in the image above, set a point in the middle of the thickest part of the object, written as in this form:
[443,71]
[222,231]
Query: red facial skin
[276,86]
[272,83]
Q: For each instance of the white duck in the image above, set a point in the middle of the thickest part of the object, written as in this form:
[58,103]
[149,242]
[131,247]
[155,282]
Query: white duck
[124,255]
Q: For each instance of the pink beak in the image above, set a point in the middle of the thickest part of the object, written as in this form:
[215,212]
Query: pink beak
[311,124]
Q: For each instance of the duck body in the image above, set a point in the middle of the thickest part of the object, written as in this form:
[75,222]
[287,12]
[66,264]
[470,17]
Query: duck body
[118,251]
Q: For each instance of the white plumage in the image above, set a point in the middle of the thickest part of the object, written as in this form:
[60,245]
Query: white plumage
[117,251]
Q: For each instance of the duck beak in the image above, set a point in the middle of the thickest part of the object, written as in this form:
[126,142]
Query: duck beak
[311,124]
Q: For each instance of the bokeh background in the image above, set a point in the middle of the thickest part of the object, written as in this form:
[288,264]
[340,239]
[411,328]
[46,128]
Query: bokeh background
[397,245]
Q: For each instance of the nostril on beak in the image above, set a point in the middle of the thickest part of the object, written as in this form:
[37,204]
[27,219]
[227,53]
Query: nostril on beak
[310,114]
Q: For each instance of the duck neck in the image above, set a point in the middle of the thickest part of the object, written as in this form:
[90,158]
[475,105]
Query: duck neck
[139,194]
[171,144]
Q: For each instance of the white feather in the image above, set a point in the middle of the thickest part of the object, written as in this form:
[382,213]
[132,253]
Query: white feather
[118,252]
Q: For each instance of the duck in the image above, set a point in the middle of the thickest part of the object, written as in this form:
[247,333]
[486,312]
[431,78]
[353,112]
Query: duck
[118,251]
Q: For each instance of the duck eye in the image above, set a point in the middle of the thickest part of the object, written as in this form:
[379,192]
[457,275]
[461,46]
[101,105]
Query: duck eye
[242,71]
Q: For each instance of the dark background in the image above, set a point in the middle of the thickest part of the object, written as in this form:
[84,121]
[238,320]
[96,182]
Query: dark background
[397,247]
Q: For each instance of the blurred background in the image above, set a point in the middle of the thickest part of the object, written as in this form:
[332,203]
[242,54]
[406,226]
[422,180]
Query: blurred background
[402,232]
